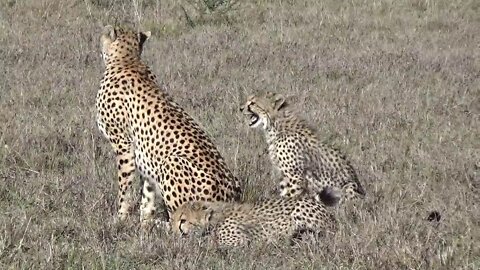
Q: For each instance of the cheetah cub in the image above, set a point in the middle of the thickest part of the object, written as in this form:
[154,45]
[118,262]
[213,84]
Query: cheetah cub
[236,224]
[304,164]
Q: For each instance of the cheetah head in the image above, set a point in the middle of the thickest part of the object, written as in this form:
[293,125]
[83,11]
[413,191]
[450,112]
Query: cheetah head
[191,217]
[122,43]
[262,109]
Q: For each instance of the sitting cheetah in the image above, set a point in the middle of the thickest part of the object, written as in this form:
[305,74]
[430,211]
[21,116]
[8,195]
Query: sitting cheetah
[237,224]
[151,133]
[306,165]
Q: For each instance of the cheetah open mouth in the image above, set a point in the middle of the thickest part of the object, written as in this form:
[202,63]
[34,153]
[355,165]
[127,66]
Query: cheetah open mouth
[253,119]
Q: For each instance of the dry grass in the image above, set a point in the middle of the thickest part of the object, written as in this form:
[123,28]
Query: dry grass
[394,84]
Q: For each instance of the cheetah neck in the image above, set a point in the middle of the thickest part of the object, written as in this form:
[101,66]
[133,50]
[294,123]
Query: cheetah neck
[135,68]
[123,55]
[286,123]
[125,61]
[289,125]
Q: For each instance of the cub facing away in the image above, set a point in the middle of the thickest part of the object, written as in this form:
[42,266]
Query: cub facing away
[305,164]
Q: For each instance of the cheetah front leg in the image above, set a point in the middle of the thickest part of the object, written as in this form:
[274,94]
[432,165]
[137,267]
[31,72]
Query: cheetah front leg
[125,158]
[147,207]
[148,210]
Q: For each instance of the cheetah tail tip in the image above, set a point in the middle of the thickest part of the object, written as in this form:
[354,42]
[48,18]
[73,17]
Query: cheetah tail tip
[330,196]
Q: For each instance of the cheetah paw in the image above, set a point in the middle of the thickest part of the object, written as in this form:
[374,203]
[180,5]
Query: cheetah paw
[163,225]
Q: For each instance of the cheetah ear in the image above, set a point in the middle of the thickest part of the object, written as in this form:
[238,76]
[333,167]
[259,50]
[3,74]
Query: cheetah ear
[110,32]
[144,36]
[279,101]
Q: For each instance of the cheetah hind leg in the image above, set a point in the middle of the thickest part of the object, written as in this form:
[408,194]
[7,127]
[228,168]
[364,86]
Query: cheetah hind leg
[351,192]
[292,186]
[231,234]
[314,220]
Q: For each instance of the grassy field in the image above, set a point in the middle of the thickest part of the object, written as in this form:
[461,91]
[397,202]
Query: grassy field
[394,84]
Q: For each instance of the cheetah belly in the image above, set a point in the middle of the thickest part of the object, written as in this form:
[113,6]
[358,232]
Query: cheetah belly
[144,165]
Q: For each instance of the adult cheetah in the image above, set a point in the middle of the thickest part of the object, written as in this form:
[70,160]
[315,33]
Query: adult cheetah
[305,164]
[151,133]
[236,224]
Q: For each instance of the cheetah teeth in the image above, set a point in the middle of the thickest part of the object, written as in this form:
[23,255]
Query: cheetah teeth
[253,120]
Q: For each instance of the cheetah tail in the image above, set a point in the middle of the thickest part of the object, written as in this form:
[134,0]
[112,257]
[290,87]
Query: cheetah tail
[329,196]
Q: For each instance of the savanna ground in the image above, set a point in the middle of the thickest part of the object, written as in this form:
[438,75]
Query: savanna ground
[394,84]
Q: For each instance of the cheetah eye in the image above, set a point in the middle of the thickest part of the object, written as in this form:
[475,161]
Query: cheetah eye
[182,221]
